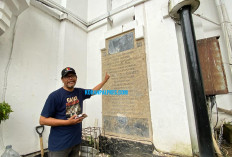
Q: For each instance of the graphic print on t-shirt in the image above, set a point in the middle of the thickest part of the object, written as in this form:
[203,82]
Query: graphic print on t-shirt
[72,107]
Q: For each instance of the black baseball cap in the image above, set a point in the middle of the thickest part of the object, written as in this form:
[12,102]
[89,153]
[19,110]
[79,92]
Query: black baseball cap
[67,70]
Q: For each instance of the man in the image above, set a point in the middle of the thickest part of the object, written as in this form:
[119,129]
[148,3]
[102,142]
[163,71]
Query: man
[62,111]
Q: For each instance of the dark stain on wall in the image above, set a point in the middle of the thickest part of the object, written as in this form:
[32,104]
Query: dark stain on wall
[124,148]
[126,125]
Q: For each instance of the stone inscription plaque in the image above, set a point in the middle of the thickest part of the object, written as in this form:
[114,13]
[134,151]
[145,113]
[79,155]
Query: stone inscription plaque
[121,43]
[126,116]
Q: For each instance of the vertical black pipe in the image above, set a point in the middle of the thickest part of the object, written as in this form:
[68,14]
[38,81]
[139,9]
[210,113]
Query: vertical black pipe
[196,84]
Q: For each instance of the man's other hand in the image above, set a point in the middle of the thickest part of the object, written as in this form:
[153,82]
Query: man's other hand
[73,120]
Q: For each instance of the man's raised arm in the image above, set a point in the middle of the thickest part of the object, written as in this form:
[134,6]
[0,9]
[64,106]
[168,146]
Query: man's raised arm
[100,85]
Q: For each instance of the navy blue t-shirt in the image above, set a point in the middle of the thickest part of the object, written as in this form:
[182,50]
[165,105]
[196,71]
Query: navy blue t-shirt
[62,104]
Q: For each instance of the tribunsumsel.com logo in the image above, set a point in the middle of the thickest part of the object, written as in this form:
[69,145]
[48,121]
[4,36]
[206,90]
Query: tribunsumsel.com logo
[106,92]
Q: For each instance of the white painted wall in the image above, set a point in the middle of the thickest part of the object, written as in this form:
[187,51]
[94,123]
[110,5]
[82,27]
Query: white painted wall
[228,3]
[5,50]
[170,97]
[205,29]
[74,55]
[188,99]
[123,17]
[94,76]
[78,7]
[167,99]
[58,1]
[168,106]
[33,59]
[96,8]
[42,47]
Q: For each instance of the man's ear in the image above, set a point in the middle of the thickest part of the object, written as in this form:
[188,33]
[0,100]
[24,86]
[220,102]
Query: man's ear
[62,79]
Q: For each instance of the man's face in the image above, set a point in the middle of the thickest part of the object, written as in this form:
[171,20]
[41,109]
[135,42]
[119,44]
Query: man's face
[69,80]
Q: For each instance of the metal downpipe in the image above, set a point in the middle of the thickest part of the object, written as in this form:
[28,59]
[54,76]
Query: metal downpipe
[196,83]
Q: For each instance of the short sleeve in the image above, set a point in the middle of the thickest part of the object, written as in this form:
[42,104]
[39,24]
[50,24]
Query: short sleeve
[85,94]
[49,107]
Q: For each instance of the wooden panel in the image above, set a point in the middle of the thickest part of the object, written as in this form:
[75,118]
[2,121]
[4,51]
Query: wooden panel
[211,66]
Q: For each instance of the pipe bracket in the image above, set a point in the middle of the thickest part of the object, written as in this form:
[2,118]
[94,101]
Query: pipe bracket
[175,5]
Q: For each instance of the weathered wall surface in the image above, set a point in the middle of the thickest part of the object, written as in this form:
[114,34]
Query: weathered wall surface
[206,29]
[42,47]
[169,127]
[33,59]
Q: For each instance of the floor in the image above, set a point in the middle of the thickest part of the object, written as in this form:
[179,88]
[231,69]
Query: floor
[226,149]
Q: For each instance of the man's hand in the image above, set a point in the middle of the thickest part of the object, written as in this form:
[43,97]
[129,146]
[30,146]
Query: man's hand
[81,115]
[73,120]
[99,86]
[84,115]
[107,76]
[60,122]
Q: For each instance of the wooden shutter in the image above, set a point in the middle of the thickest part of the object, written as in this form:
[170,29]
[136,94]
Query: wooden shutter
[212,68]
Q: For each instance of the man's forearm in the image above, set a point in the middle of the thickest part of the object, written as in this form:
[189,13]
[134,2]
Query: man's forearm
[60,122]
[99,86]
[52,121]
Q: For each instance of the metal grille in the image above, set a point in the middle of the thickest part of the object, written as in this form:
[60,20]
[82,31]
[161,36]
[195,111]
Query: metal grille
[94,137]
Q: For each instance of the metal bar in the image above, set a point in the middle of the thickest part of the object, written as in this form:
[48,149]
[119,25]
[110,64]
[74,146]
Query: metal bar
[196,83]
[207,19]
[59,7]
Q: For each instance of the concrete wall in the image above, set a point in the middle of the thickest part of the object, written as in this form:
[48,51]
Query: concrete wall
[42,47]
[228,3]
[168,97]
[96,8]
[94,76]
[168,106]
[5,50]
[33,59]
[206,29]
[167,101]
[78,7]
